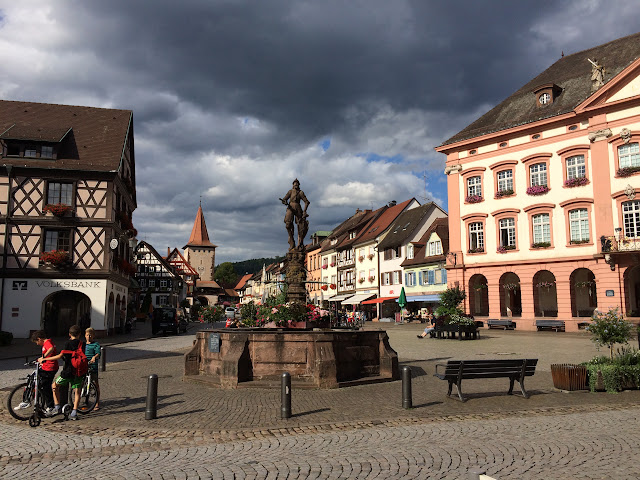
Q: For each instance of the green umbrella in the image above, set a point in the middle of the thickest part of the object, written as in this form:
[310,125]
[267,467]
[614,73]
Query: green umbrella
[402,301]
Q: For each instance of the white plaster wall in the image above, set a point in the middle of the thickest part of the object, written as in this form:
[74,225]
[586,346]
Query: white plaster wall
[28,300]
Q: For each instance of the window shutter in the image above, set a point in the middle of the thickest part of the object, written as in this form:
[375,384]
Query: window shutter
[444,276]
[420,275]
[432,277]
[406,279]
[400,276]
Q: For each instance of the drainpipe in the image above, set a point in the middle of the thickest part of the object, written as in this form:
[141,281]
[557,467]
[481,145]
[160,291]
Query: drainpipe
[4,249]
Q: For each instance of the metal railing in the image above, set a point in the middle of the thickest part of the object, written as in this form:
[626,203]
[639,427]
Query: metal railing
[619,243]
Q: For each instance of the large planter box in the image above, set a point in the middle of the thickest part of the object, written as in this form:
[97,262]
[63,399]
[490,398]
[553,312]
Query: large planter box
[569,377]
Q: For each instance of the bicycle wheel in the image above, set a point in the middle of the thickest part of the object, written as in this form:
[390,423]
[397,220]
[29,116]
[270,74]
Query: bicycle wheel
[19,394]
[89,399]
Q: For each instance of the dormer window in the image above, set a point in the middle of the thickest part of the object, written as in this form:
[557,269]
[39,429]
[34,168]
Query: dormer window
[546,94]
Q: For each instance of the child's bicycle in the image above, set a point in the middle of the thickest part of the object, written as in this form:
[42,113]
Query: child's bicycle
[27,395]
[88,397]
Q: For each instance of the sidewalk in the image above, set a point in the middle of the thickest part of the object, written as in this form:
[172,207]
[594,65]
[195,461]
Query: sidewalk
[23,347]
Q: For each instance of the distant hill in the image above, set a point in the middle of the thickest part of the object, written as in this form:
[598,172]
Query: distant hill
[254,265]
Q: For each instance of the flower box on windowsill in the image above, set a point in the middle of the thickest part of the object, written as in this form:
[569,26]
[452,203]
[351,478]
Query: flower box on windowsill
[333,264]
[473,199]
[576,182]
[537,190]
[370,256]
[541,245]
[627,171]
[505,249]
[371,279]
[361,259]
[504,193]
[55,259]
[325,266]
[57,210]
[578,242]
[476,250]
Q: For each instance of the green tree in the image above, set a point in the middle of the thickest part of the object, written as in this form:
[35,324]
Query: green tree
[450,300]
[609,328]
[225,275]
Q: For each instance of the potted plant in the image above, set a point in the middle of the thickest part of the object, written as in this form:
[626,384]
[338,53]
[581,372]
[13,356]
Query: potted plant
[372,278]
[537,190]
[361,258]
[507,192]
[55,258]
[473,198]
[541,245]
[57,209]
[370,256]
[627,171]
[576,182]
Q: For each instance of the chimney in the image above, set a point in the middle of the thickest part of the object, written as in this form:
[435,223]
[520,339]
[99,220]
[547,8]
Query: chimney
[392,203]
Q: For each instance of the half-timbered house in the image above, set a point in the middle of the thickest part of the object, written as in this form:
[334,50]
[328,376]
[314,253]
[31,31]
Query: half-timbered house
[157,278]
[67,193]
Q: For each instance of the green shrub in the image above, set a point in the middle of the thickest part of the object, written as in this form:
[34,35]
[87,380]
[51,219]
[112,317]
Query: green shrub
[249,312]
[618,371]
[6,338]
[609,328]
[449,301]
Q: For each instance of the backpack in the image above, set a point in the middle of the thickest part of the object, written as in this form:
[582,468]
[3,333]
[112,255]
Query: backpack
[79,361]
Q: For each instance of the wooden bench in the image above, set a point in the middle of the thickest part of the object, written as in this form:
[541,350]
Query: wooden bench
[454,371]
[557,325]
[506,324]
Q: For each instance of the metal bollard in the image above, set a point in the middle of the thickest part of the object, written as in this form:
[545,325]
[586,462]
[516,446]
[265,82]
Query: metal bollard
[103,358]
[285,411]
[475,472]
[151,411]
[406,388]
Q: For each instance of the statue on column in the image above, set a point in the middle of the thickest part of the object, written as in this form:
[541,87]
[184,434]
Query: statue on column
[292,200]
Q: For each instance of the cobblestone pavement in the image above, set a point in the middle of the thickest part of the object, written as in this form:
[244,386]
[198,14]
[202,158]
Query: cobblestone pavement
[357,432]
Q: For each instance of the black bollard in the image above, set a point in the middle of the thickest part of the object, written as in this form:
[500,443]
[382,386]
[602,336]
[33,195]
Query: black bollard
[152,398]
[103,358]
[286,396]
[406,388]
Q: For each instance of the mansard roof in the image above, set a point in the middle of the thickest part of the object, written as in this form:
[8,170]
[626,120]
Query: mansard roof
[571,73]
[199,235]
[89,138]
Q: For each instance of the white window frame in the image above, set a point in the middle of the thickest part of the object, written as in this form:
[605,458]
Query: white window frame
[396,278]
[538,175]
[576,167]
[631,218]
[541,228]
[579,225]
[505,180]
[435,248]
[410,251]
[411,279]
[507,232]
[476,236]
[629,155]
[474,186]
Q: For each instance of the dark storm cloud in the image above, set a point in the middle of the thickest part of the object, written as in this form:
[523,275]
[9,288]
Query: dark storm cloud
[232,99]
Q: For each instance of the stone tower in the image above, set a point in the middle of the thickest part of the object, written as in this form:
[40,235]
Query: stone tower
[200,252]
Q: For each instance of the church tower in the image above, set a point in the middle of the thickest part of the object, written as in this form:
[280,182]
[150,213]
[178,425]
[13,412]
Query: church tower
[200,252]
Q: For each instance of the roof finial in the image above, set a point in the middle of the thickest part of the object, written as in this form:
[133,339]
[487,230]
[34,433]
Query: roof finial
[200,200]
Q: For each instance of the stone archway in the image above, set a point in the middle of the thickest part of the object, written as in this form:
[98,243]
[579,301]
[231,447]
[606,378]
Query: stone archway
[62,309]
[478,295]
[545,296]
[510,295]
[583,292]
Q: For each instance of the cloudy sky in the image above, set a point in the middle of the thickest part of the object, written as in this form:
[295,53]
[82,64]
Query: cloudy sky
[234,99]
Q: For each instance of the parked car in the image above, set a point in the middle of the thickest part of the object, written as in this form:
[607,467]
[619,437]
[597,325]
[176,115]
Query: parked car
[165,319]
[230,312]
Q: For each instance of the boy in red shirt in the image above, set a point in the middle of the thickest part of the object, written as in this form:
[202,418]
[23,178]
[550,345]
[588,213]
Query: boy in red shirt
[49,367]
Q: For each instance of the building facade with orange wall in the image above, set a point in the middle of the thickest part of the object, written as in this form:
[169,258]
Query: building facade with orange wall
[545,188]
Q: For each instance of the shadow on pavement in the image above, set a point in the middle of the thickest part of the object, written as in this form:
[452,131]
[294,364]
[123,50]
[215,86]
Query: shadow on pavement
[310,412]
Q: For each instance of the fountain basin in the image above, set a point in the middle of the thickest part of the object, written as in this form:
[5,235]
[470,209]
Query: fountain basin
[232,358]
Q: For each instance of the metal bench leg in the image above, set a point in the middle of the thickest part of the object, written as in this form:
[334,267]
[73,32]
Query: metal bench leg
[459,389]
[524,392]
[450,386]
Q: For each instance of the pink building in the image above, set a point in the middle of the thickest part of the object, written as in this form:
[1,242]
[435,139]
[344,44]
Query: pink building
[545,188]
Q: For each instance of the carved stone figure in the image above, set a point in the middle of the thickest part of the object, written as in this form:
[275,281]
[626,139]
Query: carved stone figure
[597,74]
[292,200]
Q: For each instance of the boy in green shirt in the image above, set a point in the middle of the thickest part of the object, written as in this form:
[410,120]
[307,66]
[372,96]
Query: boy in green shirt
[92,351]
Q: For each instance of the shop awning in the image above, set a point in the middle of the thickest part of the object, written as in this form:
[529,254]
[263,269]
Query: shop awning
[356,299]
[423,298]
[378,300]
[339,298]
